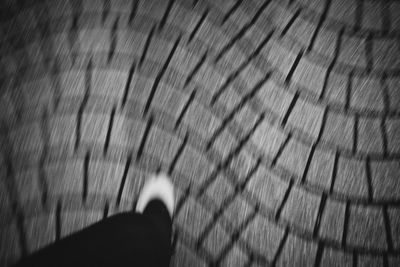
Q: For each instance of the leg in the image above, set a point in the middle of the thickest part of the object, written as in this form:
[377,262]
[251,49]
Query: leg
[159,216]
[126,239]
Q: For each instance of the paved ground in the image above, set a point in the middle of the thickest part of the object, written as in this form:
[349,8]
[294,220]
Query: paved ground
[279,122]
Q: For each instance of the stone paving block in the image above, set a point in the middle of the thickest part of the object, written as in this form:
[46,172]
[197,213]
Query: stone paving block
[220,189]
[210,34]
[394,9]
[202,120]
[366,228]
[140,86]
[33,50]
[108,82]
[40,231]
[180,193]
[230,60]
[242,163]
[58,9]
[6,209]
[36,94]
[325,41]
[338,130]
[321,168]
[251,76]
[256,264]
[393,85]
[370,261]
[267,188]
[336,258]
[168,99]
[235,257]
[225,144]
[162,145]
[27,139]
[8,107]
[336,89]
[62,130]
[369,136]
[94,41]
[91,18]
[229,99]
[366,94]
[183,18]
[94,128]
[263,236]
[241,16]
[217,239]
[385,54]
[246,118]
[104,177]
[184,60]
[73,221]
[60,43]
[10,249]
[65,178]
[72,83]
[159,50]
[96,6]
[394,261]
[223,6]
[297,252]
[256,35]
[134,182]
[309,76]
[97,105]
[352,52]
[310,4]
[120,6]
[153,8]
[193,218]
[173,80]
[393,133]
[302,31]
[332,220]
[343,11]
[27,187]
[274,98]
[280,57]
[275,15]
[371,18]
[194,166]
[130,42]
[294,157]
[301,209]
[268,139]
[351,178]
[394,215]
[237,212]
[208,78]
[127,132]
[144,24]
[184,256]
[385,179]
[307,118]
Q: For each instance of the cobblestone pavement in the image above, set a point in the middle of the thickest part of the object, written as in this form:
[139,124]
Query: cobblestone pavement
[278,121]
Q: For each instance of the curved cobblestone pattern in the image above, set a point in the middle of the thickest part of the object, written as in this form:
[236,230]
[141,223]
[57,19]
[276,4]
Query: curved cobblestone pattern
[278,121]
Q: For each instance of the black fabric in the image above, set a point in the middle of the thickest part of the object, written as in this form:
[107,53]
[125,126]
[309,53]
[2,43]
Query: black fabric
[127,239]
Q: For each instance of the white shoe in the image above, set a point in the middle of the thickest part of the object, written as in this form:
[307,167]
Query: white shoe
[157,187]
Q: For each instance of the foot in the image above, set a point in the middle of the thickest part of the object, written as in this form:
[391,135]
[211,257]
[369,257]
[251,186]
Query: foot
[157,187]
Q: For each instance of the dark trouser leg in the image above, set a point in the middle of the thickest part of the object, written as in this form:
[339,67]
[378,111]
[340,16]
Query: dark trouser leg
[127,239]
